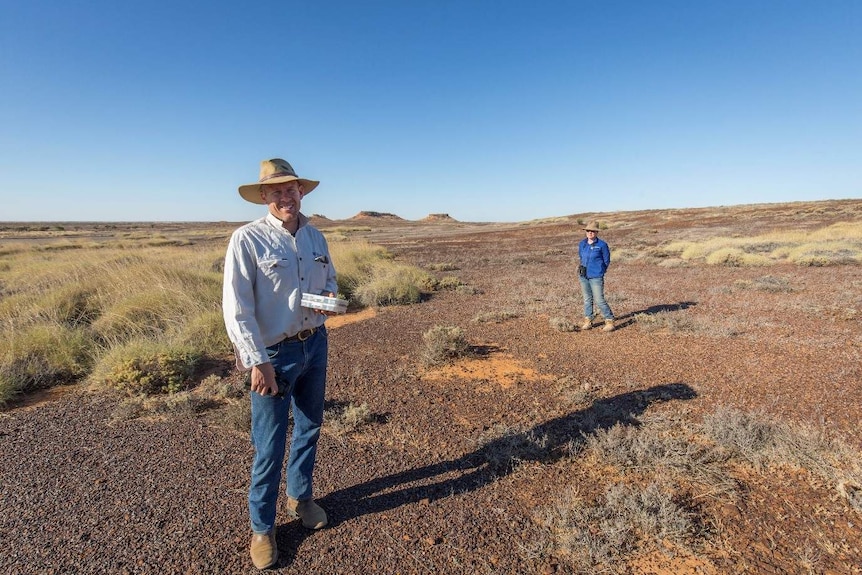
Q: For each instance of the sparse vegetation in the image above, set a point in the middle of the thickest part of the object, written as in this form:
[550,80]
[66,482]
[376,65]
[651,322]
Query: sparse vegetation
[505,448]
[772,284]
[671,321]
[545,438]
[665,468]
[836,244]
[443,267]
[598,537]
[496,316]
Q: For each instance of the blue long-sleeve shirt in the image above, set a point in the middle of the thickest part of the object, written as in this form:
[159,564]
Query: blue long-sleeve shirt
[596,256]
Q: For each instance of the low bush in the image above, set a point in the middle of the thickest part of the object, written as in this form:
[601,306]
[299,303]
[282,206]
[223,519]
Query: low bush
[145,367]
[349,419]
[449,283]
[563,324]
[443,344]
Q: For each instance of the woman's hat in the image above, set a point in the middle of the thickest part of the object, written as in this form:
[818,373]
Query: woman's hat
[274,171]
[592,226]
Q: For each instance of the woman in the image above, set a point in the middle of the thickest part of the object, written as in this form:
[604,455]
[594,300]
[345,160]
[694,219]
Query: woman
[595,256]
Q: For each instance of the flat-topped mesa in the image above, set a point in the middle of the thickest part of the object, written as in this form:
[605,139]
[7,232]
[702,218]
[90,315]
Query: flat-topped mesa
[439,218]
[366,215]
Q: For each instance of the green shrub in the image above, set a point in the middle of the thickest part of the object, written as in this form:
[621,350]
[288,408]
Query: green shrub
[354,263]
[145,367]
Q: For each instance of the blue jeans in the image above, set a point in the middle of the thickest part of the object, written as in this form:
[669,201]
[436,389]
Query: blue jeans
[593,289]
[300,370]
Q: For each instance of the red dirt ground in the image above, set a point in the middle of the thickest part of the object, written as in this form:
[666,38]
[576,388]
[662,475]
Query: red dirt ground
[416,490]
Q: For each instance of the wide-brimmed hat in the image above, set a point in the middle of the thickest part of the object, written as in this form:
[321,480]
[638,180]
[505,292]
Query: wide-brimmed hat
[274,171]
[592,226]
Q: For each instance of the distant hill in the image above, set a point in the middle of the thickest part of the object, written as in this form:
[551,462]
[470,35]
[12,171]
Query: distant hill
[439,218]
[318,219]
[363,215]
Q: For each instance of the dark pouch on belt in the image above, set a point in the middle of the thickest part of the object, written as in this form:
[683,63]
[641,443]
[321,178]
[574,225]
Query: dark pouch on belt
[582,271]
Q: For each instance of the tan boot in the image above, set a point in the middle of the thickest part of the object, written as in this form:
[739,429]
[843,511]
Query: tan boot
[264,551]
[609,325]
[312,515]
[588,323]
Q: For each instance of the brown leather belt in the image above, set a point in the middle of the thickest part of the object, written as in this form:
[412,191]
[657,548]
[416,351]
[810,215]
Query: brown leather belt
[301,336]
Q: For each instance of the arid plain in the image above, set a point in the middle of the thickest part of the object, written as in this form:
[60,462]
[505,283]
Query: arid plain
[716,430]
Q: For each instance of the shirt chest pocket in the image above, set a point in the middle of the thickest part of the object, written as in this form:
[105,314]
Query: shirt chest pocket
[318,272]
[277,273]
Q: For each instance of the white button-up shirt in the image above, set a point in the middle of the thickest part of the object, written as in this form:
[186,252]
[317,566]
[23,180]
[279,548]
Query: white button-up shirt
[266,271]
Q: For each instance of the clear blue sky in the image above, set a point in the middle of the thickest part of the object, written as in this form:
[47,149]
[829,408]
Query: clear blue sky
[148,110]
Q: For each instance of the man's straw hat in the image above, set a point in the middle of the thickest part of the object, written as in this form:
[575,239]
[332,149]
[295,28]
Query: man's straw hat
[592,226]
[274,171]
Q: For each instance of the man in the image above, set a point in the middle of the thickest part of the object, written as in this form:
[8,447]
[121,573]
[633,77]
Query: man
[269,264]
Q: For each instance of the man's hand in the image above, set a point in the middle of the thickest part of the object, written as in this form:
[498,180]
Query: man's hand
[263,379]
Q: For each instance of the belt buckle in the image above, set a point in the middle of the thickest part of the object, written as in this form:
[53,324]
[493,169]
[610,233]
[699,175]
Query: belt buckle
[305,334]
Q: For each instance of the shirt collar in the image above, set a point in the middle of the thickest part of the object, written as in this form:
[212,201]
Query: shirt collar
[276,223]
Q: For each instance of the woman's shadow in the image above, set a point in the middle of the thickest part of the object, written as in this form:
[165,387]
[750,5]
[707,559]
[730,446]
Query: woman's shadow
[546,443]
[629,318]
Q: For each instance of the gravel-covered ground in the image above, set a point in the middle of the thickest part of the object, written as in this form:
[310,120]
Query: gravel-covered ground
[428,485]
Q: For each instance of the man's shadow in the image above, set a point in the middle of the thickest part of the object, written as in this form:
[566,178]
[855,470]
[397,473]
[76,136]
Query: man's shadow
[547,443]
[629,318]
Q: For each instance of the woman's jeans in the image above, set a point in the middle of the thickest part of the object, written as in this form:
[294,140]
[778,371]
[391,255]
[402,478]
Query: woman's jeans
[300,370]
[593,289]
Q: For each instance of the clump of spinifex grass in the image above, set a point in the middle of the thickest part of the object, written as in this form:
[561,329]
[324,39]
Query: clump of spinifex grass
[368,275]
[837,244]
[140,314]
